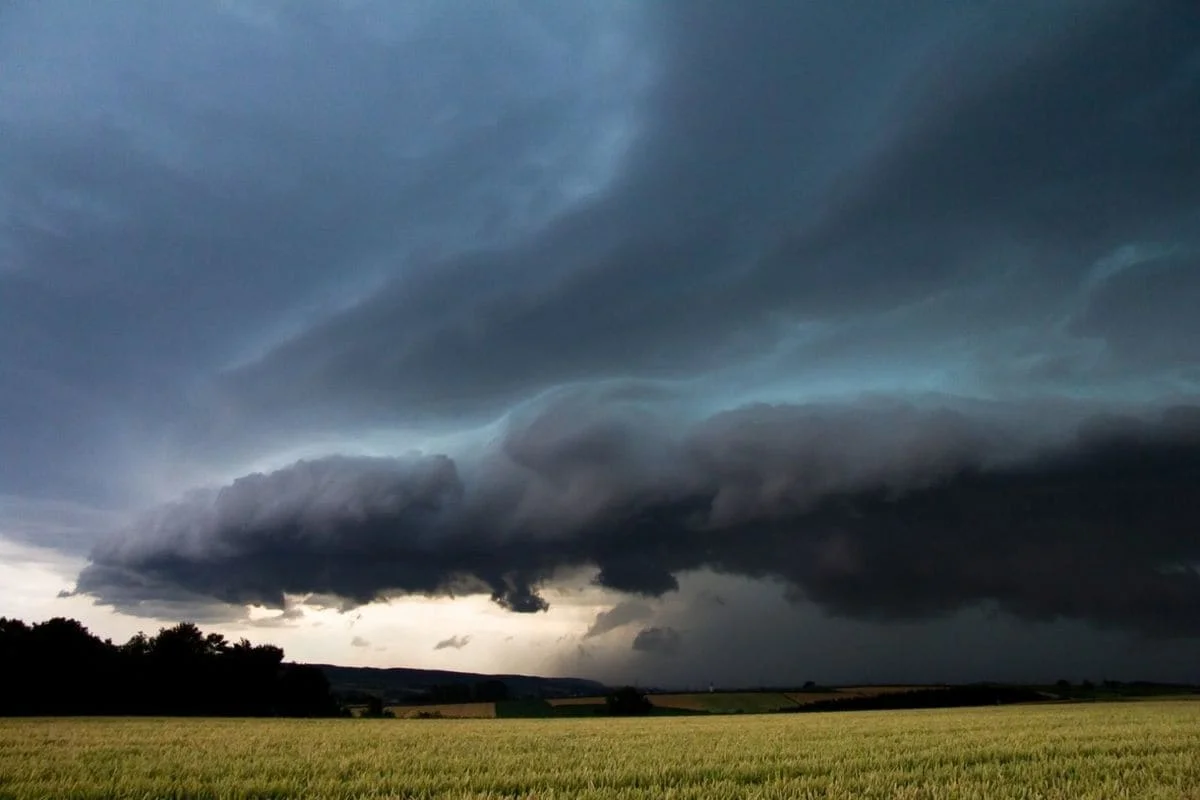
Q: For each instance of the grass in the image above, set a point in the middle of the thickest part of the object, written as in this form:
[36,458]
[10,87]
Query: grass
[524,709]
[1084,751]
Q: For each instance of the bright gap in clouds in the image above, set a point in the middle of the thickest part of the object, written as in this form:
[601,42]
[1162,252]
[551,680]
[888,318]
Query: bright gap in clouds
[406,632]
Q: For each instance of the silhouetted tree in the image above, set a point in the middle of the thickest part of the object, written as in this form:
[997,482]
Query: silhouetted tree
[628,701]
[59,667]
[375,709]
[304,692]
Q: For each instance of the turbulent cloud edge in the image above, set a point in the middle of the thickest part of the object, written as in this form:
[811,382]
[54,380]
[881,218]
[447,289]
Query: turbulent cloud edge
[879,510]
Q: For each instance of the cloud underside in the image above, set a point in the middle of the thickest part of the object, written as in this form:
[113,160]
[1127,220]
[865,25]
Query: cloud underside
[883,511]
[814,295]
[661,641]
[620,615]
[289,251]
[798,167]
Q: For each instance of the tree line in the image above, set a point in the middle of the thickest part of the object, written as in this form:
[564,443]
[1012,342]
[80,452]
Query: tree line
[59,667]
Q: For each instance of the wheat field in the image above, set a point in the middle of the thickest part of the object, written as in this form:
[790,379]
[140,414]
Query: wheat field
[1114,750]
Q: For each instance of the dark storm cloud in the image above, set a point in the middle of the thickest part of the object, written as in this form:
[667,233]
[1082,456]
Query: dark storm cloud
[661,641]
[255,232]
[810,163]
[881,511]
[183,185]
[1079,146]
[234,233]
[1147,311]
[761,638]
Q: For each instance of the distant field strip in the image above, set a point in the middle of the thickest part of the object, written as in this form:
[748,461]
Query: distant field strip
[459,710]
[745,702]
[727,702]
[1076,752]
[576,701]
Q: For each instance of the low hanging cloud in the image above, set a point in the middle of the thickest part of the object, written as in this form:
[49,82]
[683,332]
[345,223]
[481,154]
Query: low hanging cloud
[359,641]
[621,614]
[285,618]
[661,641]
[455,642]
[879,510]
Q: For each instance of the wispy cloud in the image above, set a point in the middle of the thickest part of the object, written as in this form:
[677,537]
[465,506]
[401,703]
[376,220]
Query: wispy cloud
[619,615]
[454,642]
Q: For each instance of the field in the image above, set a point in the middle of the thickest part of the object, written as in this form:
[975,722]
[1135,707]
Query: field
[1092,750]
[459,710]
[666,704]
[725,702]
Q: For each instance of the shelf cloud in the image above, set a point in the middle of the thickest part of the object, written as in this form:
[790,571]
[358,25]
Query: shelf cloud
[889,305]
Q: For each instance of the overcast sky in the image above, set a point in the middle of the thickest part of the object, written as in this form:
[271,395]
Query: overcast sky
[674,342]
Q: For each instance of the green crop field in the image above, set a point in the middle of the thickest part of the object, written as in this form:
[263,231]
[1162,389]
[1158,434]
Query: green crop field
[1094,750]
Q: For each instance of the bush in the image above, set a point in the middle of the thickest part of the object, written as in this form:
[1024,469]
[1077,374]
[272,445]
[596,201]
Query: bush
[628,702]
[375,709]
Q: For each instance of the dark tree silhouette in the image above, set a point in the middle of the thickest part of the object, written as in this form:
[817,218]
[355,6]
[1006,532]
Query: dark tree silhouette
[375,708]
[59,667]
[628,701]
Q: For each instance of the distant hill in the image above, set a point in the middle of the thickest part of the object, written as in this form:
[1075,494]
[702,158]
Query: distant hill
[398,684]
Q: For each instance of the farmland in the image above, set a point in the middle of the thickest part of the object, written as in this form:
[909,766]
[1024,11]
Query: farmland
[1089,750]
[457,710]
[748,702]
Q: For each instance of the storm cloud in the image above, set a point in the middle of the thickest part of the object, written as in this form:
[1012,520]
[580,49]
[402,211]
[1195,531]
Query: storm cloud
[880,511]
[661,641]
[980,190]
[620,615]
[891,305]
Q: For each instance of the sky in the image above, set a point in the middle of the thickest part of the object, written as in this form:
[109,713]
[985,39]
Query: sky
[682,343]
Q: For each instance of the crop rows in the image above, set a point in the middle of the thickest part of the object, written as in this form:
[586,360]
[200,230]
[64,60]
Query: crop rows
[1134,749]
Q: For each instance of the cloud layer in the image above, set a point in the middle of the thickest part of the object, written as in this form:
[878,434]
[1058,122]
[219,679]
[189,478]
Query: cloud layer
[893,306]
[620,615]
[879,511]
[662,641]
